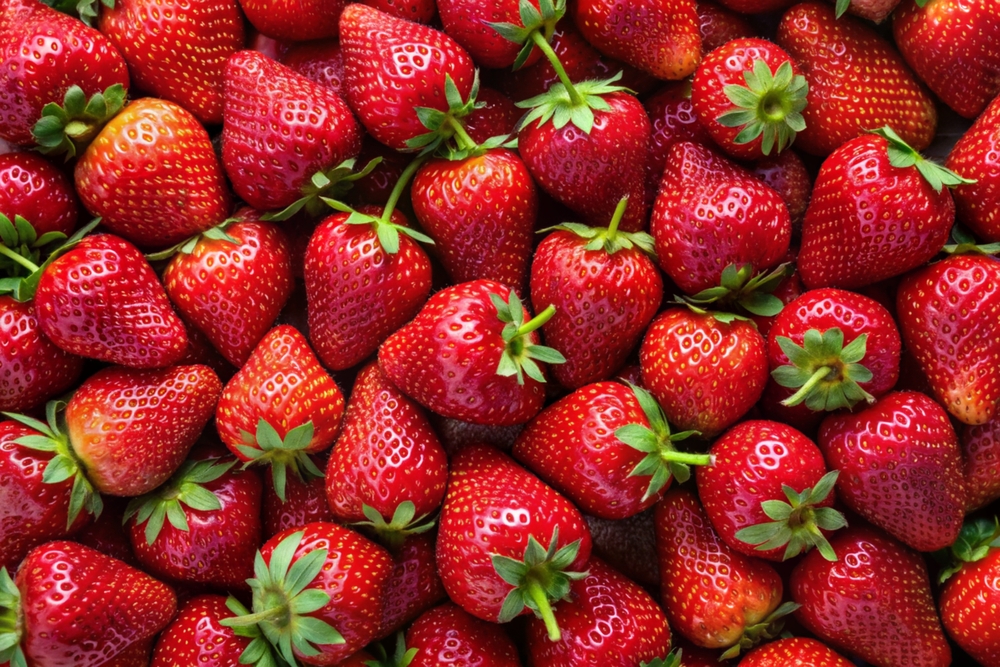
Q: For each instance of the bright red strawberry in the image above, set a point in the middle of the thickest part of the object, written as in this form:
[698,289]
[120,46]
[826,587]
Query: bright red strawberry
[749,95]
[33,368]
[475,368]
[981,463]
[711,213]
[392,67]
[284,135]
[530,540]
[900,468]
[44,52]
[304,502]
[606,290]
[294,20]
[714,596]
[446,636]
[976,156]
[705,373]
[320,60]
[35,189]
[878,209]
[414,586]
[661,38]
[232,282]
[768,493]
[954,47]
[787,175]
[99,609]
[607,447]
[948,317]
[101,300]
[471,24]
[873,602]
[280,407]
[719,25]
[794,652]
[857,81]
[322,572]
[195,636]
[179,55]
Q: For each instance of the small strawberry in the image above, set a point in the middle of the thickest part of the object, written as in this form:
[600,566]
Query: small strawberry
[673,120]
[981,463]
[875,11]
[494,115]
[195,636]
[976,156]
[35,189]
[447,636]
[294,20]
[787,175]
[801,651]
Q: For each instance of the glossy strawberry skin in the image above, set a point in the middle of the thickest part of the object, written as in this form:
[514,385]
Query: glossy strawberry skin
[799,651]
[948,317]
[414,586]
[120,315]
[446,636]
[857,81]
[967,602]
[233,292]
[976,156]
[99,609]
[294,20]
[981,463]
[787,175]
[305,502]
[719,25]
[195,636]
[672,117]
[35,189]
[320,60]
[874,601]
[152,175]
[900,468]
[496,117]
[392,66]
[467,22]
[868,220]
[177,53]
[492,506]
[704,373]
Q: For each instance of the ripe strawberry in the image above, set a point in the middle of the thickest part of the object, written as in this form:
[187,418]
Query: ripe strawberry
[629,546]
[875,11]
[280,407]
[900,468]
[101,300]
[981,463]
[787,175]
[874,602]
[712,595]
[294,20]
[180,55]
[507,571]
[320,61]
[948,317]
[414,585]
[446,636]
[101,608]
[719,25]
[755,6]
[673,120]
[857,81]
[420,11]
[705,373]
[494,115]
[33,188]
[976,156]
[392,67]
[304,502]
[954,47]
[852,237]
[107,534]
[471,24]
[195,636]
[799,651]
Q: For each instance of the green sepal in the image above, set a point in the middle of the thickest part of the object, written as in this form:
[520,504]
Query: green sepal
[825,372]
[332,183]
[975,541]
[557,104]
[902,155]
[188,245]
[842,6]
[672,659]
[86,10]
[11,622]
[542,20]
[70,127]
[401,656]
[609,239]
[519,356]
[18,237]
[267,447]
[387,232]
[404,522]
[770,628]
[444,126]
[23,287]
[963,243]
[769,106]
[740,291]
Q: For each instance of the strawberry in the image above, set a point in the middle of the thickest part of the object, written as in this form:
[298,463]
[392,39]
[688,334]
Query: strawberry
[954,48]
[874,602]
[607,447]
[976,156]
[719,25]
[857,81]
[794,651]
[494,115]
[878,209]
[900,468]
[605,289]
[673,120]
[755,6]
[284,136]
[294,20]
[981,463]
[320,61]
[697,234]
[470,24]
[787,175]
[749,96]
[629,546]
[280,407]
[660,38]
[446,636]
[195,636]
[712,595]
[393,67]
[507,571]
[107,534]
[420,11]
[33,188]
[705,372]
[31,77]
[477,377]
[875,11]
[414,585]
[948,317]
[101,608]
[101,300]
[304,502]
[180,55]
[232,282]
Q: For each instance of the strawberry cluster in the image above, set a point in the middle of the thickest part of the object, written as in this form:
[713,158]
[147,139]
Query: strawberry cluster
[542,332]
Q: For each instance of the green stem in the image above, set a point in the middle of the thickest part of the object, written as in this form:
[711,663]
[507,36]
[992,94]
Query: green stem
[397,190]
[26,263]
[537,321]
[810,384]
[675,456]
[616,219]
[537,594]
[544,47]
[465,142]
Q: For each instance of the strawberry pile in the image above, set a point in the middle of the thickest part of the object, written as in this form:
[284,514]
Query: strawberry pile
[539,332]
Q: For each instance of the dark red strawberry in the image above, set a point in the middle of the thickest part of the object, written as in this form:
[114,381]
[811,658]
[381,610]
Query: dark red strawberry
[471,23]
[304,502]
[981,463]
[35,189]
[320,60]
[976,156]
[294,20]
[719,25]
[421,11]
[673,120]
[875,11]
[446,636]
[794,651]
[787,175]
[495,115]
[629,546]
[195,636]
[414,586]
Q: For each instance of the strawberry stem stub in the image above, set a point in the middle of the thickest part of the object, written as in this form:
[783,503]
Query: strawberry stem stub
[280,454]
[11,623]
[766,630]
[519,356]
[826,373]
[68,128]
[769,106]
[902,155]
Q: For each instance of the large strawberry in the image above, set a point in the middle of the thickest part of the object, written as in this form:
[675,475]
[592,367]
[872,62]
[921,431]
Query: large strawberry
[294,20]
[195,635]
[450,634]
[976,156]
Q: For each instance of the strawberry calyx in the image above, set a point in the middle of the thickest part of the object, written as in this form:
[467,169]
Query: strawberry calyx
[975,540]
[663,460]
[86,10]
[766,630]
[902,155]
[17,255]
[184,487]
[539,579]
[11,622]
[403,523]
[672,659]
[68,128]
[187,246]
[799,522]
[565,102]
[842,6]
[266,447]
[963,243]
[279,621]
[519,356]
[332,183]
[609,239]
[769,106]
[64,463]
[401,656]
[826,373]
[537,25]
[740,289]
[444,126]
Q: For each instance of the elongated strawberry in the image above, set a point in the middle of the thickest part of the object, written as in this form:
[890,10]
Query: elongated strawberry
[976,156]
[446,636]
[195,635]
[35,189]
[794,651]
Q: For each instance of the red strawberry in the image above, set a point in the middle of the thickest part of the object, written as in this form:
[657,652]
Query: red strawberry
[107,534]
[195,636]
[179,55]
[873,602]
[857,81]
[875,11]
[787,175]
[878,209]
[506,570]
[280,407]
[471,24]
[976,156]
[495,115]
[294,20]
[101,608]
[900,468]
[446,636]
[304,502]
[801,651]
[36,190]
[981,468]
[673,120]
[755,6]
[719,25]
[414,586]
[948,317]
[320,61]
[421,11]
